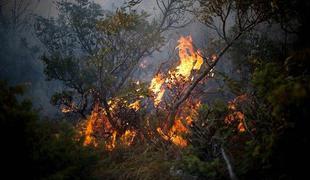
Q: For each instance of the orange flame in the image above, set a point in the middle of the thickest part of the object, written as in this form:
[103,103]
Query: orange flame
[174,134]
[89,131]
[111,144]
[180,128]
[157,89]
[128,137]
[98,125]
[135,105]
[235,115]
[189,58]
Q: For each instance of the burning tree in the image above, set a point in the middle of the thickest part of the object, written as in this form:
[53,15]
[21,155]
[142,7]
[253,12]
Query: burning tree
[95,52]
[245,15]
[166,89]
[197,66]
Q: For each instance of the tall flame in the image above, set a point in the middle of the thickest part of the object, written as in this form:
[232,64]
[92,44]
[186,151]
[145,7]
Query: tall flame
[157,89]
[89,131]
[189,58]
[90,124]
[111,144]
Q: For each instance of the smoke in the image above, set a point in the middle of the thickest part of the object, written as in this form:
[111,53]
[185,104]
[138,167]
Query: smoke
[20,50]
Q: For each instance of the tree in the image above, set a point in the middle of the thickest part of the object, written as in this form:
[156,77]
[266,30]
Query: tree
[246,16]
[39,148]
[274,113]
[94,52]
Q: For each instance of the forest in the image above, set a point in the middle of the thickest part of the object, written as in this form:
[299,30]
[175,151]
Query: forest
[154,89]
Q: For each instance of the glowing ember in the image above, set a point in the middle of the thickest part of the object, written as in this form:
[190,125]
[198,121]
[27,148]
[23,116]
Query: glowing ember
[163,135]
[66,110]
[231,106]
[241,127]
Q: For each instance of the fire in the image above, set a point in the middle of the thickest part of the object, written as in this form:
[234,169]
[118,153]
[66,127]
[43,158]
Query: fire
[128,137]
[157,89]
[236,115]
[90,128]
[88,133]
[189,58]
[178,128]
[66,110]
[111,144]
[241,127]
[181,124]
[135,105]
[95,122]
[156,83]
[159,97]
[99,126]
[174,134]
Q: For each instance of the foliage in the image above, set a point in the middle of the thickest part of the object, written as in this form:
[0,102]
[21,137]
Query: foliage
[141,161]
[203,169]
[94,52]
[41,149]
[275,77]
[260,133]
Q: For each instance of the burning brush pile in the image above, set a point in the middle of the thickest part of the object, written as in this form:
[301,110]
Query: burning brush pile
[129,121]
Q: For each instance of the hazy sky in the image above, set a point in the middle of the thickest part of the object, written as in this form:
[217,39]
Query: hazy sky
[47,7]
